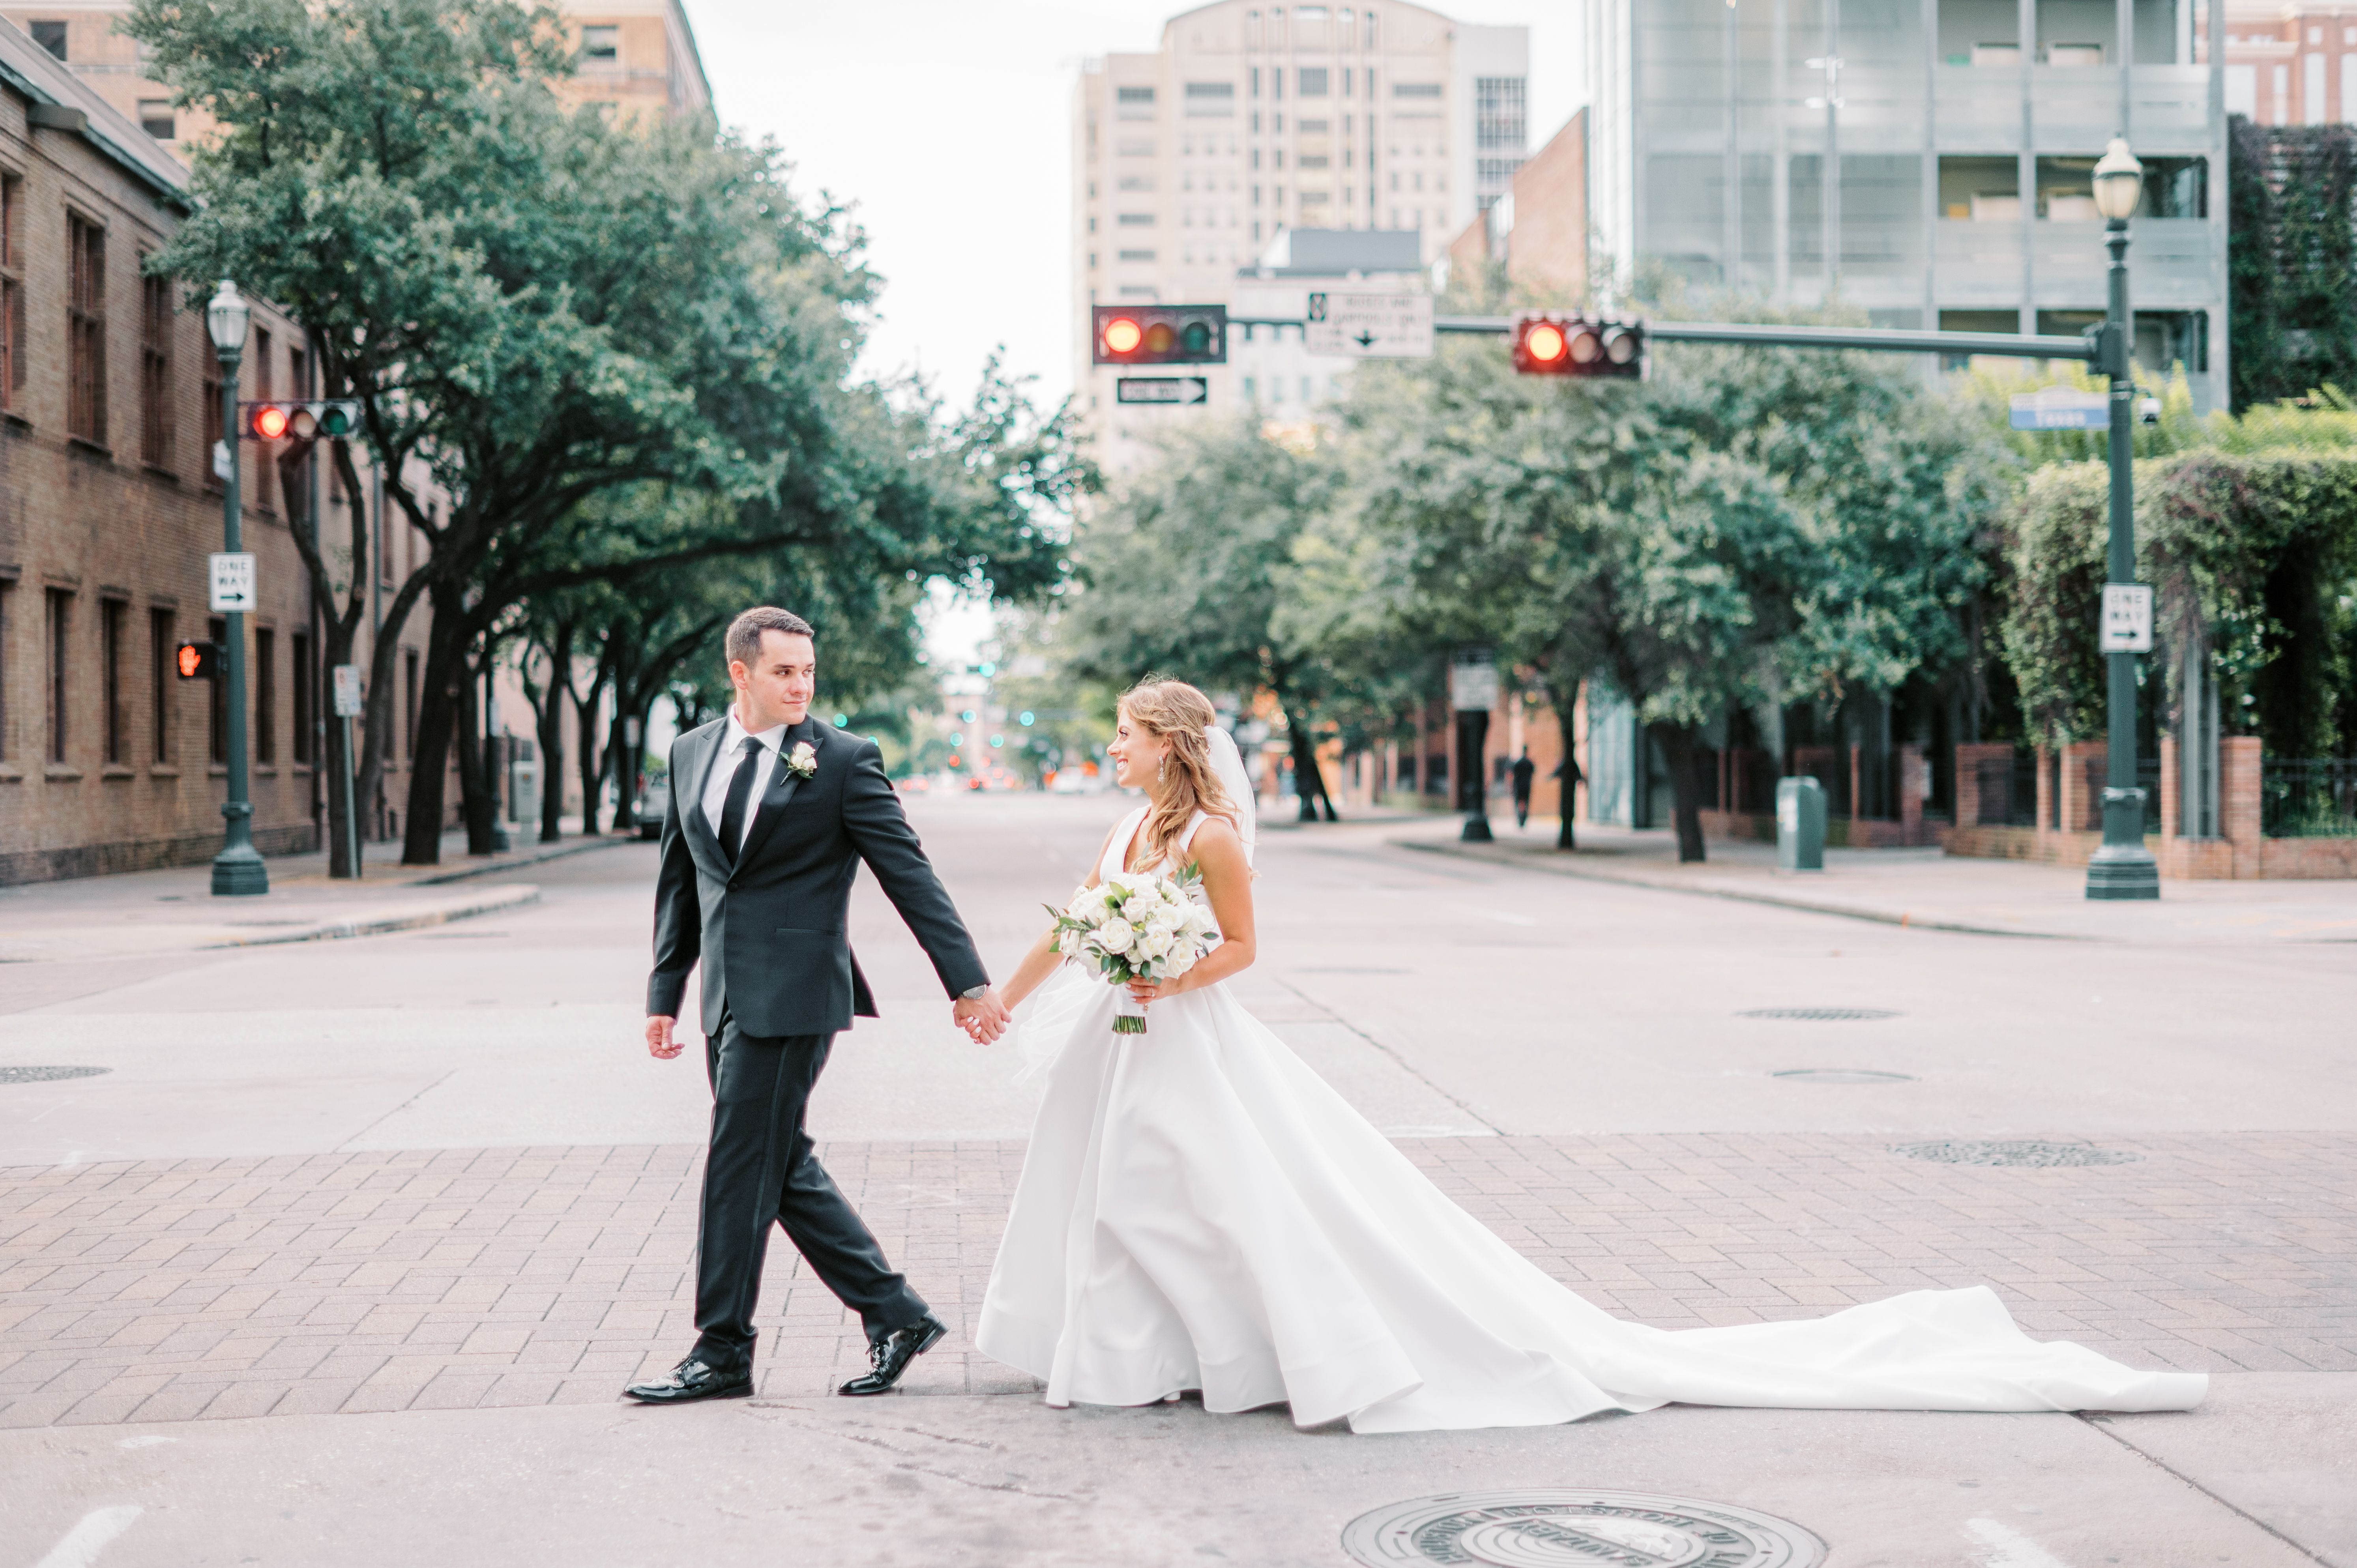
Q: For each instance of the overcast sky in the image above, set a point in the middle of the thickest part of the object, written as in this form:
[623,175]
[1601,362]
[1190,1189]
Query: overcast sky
[948,124]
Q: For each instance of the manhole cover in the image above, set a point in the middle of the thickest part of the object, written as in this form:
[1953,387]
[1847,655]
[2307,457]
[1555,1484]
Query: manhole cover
[1543,1528]
[47,1074]
[2013,1152]
[1842,1075]
[1819,1015]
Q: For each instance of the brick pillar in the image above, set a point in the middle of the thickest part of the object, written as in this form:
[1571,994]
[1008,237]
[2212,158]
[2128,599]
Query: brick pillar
[2045,789]
[1852,753]
[2238,800]
[2169,792]
[1911,773]
[2082,808]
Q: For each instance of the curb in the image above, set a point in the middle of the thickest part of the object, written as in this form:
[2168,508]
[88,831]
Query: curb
[1775,900]
[517,862]
[492,900]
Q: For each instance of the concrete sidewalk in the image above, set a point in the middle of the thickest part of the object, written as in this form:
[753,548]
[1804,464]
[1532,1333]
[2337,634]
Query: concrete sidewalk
[1923,887]
[174,910]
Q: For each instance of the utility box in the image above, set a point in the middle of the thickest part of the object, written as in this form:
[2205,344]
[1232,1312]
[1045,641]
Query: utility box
[1800,824]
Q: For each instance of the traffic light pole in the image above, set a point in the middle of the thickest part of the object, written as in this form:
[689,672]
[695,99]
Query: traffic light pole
[238,869]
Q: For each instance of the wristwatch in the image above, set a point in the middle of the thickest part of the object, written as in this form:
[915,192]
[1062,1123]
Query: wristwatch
[975,993]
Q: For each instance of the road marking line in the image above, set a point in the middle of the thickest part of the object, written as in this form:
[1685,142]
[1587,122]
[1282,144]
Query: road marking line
[85,1541]
[2009,1547]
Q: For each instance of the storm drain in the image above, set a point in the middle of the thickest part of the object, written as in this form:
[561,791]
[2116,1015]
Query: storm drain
[47,1074]
[1560,1529]
[1820,1015]
[1842,1075]
[2013,1152]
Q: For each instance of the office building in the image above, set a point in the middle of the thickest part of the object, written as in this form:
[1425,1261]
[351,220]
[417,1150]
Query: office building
[1924,161]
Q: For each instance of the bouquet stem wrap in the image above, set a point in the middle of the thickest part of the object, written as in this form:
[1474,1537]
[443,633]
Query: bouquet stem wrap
[1128,1012]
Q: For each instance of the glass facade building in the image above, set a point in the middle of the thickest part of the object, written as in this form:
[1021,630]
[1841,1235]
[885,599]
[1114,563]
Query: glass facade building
[1925,161]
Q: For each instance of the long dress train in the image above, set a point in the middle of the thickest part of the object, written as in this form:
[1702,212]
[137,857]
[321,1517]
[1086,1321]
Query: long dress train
[1199,1210]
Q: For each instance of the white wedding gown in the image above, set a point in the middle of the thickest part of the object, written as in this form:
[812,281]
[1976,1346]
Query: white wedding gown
[1199,1210]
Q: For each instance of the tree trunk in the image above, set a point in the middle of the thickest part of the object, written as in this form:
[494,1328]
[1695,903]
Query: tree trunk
[1567,796]
[585,710]
[477,801]
[548,716]
[437,717]
[1308,778]
[1685,787]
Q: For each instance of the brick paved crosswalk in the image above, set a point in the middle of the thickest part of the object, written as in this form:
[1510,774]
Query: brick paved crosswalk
[170,1290]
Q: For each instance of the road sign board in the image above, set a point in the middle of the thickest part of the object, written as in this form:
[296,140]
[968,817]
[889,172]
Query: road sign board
[233,582]
[2061,408]
[346,678]
[1370,325]
[1183,390]
[1473,688]
[2128,619]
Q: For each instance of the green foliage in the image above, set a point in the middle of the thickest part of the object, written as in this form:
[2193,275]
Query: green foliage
[2253,552]
[2291,259]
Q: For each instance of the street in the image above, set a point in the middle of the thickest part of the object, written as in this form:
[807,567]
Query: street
[349,1250]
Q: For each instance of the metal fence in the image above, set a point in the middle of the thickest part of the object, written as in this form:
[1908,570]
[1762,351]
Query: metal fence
[2008,790]
[2307,799]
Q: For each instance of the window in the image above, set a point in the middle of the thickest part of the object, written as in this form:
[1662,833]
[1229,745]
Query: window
[155,119]
[156,371]
[50,36]
[266,390]
[161,678]
[61,609]
[1500,121]
[307,694]
[210,415]
[265,695]
[409,702]
[4,587]
[1133,94]
[1137,255]
[1135,220]
[85,329]
[217,692]
[11,289]
[1415,90]
[601,46]
[1313,81]
[111,614]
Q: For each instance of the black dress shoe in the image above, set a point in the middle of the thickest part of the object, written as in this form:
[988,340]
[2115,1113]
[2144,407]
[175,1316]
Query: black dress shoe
[890,1357]
[694,1378]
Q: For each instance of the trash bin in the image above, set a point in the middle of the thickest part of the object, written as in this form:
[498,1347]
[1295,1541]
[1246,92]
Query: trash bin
[1800,824]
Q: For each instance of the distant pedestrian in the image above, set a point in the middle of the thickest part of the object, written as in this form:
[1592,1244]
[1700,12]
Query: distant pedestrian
[1523,771]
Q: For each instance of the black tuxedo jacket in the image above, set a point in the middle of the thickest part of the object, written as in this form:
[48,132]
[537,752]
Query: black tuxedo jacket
[770,929]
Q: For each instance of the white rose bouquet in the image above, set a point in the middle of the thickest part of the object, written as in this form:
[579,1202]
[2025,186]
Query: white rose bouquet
[1136,926]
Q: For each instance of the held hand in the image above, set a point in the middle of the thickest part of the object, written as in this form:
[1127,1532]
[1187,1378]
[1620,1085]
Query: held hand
[1145,990]
[661,1043]
[985,1018]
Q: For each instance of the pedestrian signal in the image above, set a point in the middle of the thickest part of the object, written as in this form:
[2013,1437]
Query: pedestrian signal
[1159,334]
[319,420]
[198,660]
[1576,344]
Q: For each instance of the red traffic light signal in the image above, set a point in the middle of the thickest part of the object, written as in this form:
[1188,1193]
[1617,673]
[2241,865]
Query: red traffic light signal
[198,660]
[1159,334]
[318,419]
[1575,345]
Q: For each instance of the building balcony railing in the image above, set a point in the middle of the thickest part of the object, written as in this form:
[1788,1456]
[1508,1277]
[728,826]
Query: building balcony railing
[2171,264]
[2072,109]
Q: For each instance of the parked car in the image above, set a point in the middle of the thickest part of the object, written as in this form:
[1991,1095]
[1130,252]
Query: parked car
[653,801]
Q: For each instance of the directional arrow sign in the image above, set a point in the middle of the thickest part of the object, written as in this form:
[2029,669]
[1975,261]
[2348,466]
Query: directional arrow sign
[1370,325]
[1183,390]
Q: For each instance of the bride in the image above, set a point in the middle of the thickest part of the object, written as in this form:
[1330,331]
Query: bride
[1198,1210]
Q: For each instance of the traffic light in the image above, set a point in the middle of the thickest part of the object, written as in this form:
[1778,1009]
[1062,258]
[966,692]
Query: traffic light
[326,419]
[1576,344]
[198,660]
[1159,334]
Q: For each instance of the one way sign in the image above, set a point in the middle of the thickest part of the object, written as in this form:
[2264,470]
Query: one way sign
[1182,390]
[1370,325]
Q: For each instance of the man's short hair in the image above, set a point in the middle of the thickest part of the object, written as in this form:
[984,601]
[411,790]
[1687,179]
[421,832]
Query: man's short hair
[744,643]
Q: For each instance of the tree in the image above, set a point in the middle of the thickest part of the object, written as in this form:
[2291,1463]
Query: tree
[1186,574]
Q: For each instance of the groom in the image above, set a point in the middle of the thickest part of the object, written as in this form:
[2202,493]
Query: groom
[771,812]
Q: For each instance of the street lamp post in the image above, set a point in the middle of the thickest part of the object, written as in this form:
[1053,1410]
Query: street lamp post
[238,869]
[2122,867]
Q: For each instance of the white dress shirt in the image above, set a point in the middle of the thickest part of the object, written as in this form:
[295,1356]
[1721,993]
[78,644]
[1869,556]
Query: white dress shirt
[723,768]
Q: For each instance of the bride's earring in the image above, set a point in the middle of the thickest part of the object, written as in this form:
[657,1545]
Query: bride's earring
[1162,769]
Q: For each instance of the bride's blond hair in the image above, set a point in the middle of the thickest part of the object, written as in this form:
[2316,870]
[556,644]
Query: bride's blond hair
[1176,712]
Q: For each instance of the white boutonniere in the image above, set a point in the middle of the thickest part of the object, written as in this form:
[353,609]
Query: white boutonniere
[802,761]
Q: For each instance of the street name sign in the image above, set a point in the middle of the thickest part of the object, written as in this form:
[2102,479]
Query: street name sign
[2061,408]
[1185,390]
[2127,618]
[1369,326]
[233,582]
[346,678]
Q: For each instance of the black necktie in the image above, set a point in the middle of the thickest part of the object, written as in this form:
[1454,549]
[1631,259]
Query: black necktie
[740,792]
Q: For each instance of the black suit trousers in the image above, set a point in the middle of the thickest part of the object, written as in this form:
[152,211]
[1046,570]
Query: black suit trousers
[761,1171]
